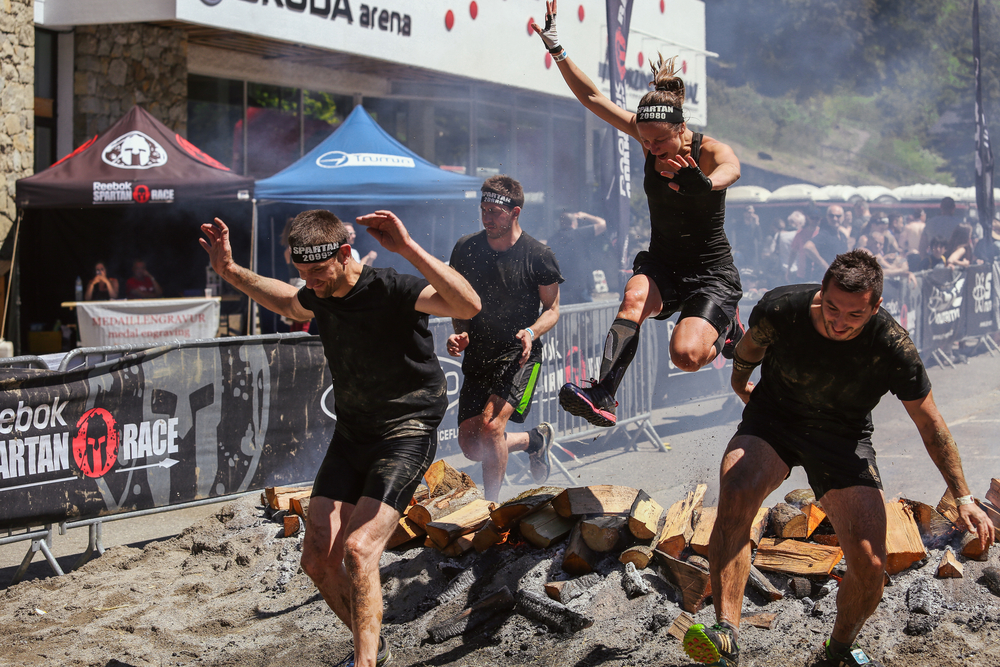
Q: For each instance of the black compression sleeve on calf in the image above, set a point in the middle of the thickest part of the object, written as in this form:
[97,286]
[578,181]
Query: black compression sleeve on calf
[619,350]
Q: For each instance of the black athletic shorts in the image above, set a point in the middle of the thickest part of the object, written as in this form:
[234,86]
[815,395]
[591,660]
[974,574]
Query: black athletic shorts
[388,471]
[504,378]
[830,461]
[709,293]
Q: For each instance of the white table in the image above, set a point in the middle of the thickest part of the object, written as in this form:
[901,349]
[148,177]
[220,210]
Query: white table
[145,321]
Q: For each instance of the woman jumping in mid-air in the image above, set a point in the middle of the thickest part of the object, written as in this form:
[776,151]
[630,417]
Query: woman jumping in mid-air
[689,264]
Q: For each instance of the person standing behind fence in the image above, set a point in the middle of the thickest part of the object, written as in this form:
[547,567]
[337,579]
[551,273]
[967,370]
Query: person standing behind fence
[689,265]
[574,243]
[830,241]
[829,353]
[391,394]
[516,276]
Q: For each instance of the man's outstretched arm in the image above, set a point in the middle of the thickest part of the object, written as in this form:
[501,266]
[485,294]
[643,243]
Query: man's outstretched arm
[275,295]
[449,294]
[747,356]
[944,452]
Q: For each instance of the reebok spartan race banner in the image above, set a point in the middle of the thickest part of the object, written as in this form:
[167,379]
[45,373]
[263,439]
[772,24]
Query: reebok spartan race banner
[162,427]
[620,197]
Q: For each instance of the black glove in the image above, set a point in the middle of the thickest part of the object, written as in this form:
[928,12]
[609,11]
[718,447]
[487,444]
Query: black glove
[692,182]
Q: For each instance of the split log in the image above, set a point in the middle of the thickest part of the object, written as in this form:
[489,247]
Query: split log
[695,584]
[578,558]
[512,511]
[556,616]
[565,592]
[800,498]
[788,521]
[600,499]
[441,478]
[796,558]
[949,567]
[699,562]
[993,495]
[703,530]
[763,585]
[762,621]
[814,516]
[994,514]
[902,540]
[488,536]
[972,548]
[459,546]
[545,527]
[603,533]
[292,523]
[934,527]
[638,555]
[419,494]
[279,497]
[299,506]
[948,507]
[468,519]
[828,540]
[680,626]
[678,528]
[758,526]
[643,516]
[406,530]
[433,509]
[472,617]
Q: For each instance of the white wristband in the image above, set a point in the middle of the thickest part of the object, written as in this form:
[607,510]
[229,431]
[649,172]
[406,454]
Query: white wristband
[964,500]
[532,334]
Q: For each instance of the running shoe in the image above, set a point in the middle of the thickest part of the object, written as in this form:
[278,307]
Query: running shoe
[713,646]
[595,404]
[854,658]
[541,466]
[384,656]
[736,331]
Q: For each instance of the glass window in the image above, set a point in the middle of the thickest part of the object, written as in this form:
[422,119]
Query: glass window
[45,99]
[323,113]
[451,136]
[215,114]
[493,140]
[392,116]
[45,64]
[569,187]
[273,140]
[532,136]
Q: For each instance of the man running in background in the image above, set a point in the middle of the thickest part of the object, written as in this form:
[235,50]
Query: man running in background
[390,390]
[830,353]
[516,277]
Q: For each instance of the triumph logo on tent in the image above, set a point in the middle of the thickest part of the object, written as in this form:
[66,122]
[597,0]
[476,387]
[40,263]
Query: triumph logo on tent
[134,150]
[337,159]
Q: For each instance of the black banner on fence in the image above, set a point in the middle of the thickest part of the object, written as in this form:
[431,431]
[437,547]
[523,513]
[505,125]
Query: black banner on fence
[161,427]
[944,316]
[980,318]
[902,297]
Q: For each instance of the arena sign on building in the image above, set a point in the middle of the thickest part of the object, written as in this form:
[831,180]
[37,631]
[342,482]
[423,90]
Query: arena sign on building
[481,41]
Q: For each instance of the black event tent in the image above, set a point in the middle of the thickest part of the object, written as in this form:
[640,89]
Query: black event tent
[136,191]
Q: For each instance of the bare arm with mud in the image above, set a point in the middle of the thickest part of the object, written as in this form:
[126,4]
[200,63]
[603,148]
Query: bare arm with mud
[750,350]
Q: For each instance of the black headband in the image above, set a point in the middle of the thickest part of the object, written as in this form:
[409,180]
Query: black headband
[311,254]
[659,113]
[490,197]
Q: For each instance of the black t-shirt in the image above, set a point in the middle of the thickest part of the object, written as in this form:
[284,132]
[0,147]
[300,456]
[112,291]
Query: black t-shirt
[387,380]
[507,283]
[829,244]
[686,232]
[811,382]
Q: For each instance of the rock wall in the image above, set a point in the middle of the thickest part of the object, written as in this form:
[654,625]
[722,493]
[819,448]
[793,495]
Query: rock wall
[17,101]
[120,65]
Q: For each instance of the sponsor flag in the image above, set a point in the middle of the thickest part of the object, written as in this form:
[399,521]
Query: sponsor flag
[984,152]
[619,193]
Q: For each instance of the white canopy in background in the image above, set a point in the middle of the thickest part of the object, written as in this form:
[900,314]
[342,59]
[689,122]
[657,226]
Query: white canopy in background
[930,193]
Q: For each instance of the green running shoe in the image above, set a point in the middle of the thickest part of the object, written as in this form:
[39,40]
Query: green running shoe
[713,646]
[383,658]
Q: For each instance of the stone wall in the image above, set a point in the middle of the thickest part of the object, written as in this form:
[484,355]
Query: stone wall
[118,66]
[17,101]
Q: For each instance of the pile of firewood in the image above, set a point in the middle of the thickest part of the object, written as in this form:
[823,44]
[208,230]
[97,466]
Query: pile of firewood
[287,505]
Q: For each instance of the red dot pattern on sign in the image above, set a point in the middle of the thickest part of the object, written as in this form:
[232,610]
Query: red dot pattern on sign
[641,60]
[531,31]
[548,60]
[663,6]
[473,10]
[580,13]
[449,20]
[684,66]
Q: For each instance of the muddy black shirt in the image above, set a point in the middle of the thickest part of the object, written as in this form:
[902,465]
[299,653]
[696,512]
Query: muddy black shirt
[507,283]
[811,382]
[386,378]
[687,232]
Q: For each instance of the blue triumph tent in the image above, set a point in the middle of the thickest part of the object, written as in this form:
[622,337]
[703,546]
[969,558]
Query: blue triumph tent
[358,169]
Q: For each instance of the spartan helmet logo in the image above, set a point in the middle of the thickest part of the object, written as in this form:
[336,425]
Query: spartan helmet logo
[134,150]
[95,446]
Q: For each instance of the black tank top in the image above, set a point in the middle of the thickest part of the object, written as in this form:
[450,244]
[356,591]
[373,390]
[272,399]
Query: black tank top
[686,231]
